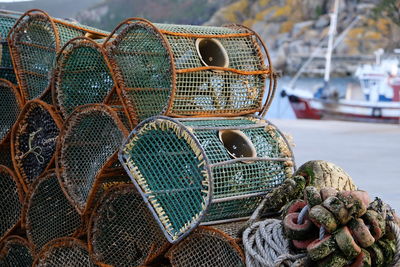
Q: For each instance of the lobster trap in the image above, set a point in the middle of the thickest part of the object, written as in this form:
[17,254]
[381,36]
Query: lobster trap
[34,41]
[204,170]
[5,154]
[7,21]
[16,251]
[182,70]
[47,214]
[122,231]
[33,141]
[12,198]
[65,251]
[206,247]
[86,152]
[10,107]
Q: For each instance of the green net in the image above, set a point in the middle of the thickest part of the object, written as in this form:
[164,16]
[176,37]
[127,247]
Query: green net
[48,214]
[10,107]
[34,42]
[17,252]
[64,252]
[122,231]
[182,70]
[83,76]
[89,140]
[188,172]
[206,247]
[11,196]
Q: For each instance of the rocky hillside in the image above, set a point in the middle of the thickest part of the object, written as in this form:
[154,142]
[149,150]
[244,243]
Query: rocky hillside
[109,13]
[293,28]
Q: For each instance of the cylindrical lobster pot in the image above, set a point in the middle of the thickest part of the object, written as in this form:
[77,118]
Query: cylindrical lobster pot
[206,247]
[7,21]
[12,198]
[34,41]
[65,251]
[10,107]
[16,251]
[47,213]
[87,147]
[232,229]
[182,70]
[205,170]
[122,231]
[33,140]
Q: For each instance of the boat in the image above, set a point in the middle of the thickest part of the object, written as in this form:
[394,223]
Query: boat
[375,99]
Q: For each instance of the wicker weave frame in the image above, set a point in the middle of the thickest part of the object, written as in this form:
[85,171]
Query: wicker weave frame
[196,235]
[21,197]
[18,101]
[17,129]
[14,239]
[104,172]
[111,42]
[210,200]
[55,26]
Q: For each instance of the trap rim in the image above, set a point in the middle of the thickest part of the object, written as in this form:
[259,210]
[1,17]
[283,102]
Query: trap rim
[16,240]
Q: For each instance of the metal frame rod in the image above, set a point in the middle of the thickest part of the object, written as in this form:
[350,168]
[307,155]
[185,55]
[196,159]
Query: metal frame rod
[241,127]
[245,159]
[226,199]
[225,221]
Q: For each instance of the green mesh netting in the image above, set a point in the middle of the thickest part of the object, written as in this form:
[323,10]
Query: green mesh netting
[83,76]
[183,169]
[34,43]
[10,107]
[64,252]
[153,70]
[11,201]
[122,231]
[48,214]
[91,136]
[17,252]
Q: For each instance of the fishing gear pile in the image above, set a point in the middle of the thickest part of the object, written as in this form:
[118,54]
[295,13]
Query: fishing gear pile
[148,146]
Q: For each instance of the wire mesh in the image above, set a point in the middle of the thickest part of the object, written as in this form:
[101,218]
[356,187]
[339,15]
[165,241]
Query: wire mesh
[87,146]
[16,252]
[188,175]
[122,231]
[7,21]
[82,75]
[64,252]
[34,138]
[11,195]
[5,154]
[206,247]
[161,69]
[48,214]
[10,107]
[34,41]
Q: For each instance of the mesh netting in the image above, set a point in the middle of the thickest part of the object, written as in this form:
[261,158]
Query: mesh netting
[48,214]
[64,252]
[188,70]
[89,140]
[10,107]
[7,21]
[206,247]
[34,42]
[11,195]
[34,140]
[233,229]
[83,75]
[16,252]
[5,154]
[122,231]
[185,167]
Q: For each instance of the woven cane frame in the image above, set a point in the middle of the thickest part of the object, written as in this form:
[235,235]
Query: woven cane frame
[21,128]
[10,108]
[10,204]
[197,250]
[65,251]
[165,98]
[52,222]
[83,200]
[16,251]
[34,82]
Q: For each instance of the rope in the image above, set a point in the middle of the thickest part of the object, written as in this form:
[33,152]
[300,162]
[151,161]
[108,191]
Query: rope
[37,150]
[396,230]
[302,214]
[265,245]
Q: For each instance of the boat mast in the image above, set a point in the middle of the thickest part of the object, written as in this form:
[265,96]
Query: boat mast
[332,32]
